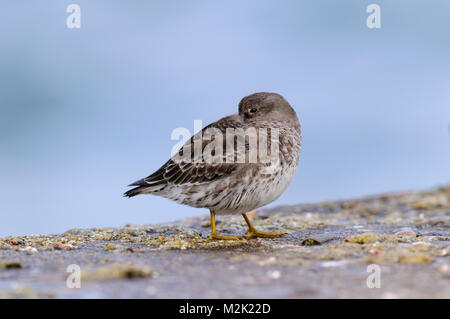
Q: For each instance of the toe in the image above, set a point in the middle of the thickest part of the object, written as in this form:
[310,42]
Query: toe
[219,237]
[255,234]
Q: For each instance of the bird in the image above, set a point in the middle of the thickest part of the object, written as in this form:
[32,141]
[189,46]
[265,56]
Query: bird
[226,185]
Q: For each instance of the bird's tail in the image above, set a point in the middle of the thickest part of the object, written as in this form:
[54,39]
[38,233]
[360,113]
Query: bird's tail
[135,191]
[146,187]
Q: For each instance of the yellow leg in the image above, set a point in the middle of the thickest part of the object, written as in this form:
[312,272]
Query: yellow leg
[214,234]
[252,232]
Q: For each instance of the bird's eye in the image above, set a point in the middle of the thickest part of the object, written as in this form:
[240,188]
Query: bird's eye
[253,110]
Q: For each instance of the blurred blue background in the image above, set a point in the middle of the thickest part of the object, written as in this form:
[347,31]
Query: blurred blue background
[84,112]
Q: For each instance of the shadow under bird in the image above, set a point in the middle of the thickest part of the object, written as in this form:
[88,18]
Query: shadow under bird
[233,187]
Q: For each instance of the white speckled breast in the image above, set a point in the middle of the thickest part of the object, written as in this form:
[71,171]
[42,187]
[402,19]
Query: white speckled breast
[248,188]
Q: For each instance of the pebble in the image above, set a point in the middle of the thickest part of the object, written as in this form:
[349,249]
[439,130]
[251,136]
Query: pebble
[311,242]
[29,249]
[274,274]
[10,265]
[63,246]
[406,232]
[373,251]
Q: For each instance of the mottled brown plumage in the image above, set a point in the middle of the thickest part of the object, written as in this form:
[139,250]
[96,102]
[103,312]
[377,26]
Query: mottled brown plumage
[230,186]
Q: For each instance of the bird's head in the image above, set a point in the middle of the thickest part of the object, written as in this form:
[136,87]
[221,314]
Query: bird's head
[266,105]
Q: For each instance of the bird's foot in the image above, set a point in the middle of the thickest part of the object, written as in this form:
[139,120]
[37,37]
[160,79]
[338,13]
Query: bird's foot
[220,237]
[253,233]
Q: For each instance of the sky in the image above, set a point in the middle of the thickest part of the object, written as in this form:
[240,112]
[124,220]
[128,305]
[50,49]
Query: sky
[84,112]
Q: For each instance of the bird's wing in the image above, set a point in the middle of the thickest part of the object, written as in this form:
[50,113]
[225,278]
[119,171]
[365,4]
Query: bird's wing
[178,172]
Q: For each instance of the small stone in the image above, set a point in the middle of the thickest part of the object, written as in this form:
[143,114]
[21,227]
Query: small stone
[10,265]
[274,274]
[206,224]
[311,242]
[365,238]
[118,271]
[64,246]
[373,251]
[29,249]
[110,247]
[406,232]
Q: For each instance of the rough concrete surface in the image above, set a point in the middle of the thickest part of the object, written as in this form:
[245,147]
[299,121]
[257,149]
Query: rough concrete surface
[325,254]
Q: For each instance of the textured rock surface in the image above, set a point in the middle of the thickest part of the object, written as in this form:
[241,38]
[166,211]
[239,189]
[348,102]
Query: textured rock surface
[325,254]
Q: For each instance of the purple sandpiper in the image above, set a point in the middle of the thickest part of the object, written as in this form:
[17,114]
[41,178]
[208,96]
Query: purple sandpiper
[227,186]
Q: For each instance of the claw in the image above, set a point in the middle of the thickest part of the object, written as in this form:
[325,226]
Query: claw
[220,237]
[253,233]
[214,235]
[256,233]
